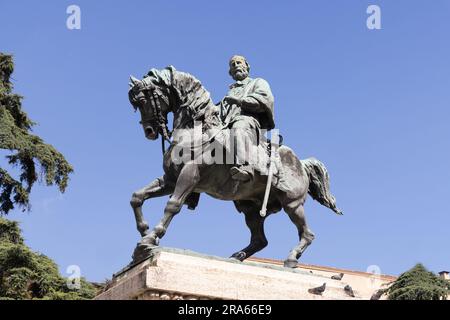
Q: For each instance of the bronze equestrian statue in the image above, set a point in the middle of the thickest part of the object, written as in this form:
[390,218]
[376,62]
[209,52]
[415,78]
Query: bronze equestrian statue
[240,118]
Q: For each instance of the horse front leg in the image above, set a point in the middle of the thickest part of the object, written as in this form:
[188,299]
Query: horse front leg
[157,188]
[186,183]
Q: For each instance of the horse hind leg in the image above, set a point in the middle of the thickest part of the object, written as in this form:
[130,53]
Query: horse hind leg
[258,239]
[296,213]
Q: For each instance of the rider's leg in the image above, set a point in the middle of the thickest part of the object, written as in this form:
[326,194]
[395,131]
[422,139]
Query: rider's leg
[245,138]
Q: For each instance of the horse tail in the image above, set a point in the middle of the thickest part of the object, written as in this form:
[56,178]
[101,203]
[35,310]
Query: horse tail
[319,184]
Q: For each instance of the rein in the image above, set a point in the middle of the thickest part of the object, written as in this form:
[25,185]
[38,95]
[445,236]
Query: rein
[161,120]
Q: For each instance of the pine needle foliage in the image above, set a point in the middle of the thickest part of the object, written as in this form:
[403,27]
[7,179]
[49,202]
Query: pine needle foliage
[35,159]
[418,284]
[25,274]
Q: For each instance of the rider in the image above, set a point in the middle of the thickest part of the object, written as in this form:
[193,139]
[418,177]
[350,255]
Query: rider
[247,108]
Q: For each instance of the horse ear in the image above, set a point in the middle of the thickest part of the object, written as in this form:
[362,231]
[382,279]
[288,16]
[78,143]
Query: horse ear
[133,80]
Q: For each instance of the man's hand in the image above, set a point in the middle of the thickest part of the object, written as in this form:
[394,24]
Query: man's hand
[232,100]
[248,103]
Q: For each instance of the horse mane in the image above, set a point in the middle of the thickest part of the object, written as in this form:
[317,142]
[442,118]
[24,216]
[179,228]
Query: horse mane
[187,94]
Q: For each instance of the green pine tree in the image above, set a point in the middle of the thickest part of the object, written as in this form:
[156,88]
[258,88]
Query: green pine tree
[25,274]
[418,284]
[29,152]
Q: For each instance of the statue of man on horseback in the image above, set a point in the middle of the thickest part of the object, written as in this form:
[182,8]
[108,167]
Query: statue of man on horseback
[245,111]
[247,108]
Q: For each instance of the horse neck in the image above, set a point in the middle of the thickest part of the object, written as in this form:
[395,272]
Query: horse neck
[185,118]
[191,99]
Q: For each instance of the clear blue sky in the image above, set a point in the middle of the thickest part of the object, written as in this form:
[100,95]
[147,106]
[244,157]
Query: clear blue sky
[372,105]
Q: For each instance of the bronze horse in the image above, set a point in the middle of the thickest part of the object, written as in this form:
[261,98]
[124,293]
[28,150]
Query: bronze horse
[168,90]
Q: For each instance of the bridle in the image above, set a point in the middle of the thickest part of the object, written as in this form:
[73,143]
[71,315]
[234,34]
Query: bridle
[154,94]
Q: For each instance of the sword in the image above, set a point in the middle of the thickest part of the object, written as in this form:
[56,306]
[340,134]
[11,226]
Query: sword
[263,211]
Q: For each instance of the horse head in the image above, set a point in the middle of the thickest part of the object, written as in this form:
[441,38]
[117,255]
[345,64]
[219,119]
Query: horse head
[152,101]
[168,90]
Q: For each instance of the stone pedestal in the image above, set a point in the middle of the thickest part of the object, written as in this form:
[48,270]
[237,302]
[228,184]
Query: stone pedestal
[179,274]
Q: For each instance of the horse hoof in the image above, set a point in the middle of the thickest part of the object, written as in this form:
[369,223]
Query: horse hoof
[141,252]
[240,256]
[149,241]
[290,263]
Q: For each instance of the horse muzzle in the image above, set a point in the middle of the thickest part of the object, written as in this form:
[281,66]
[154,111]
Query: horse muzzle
[150,133]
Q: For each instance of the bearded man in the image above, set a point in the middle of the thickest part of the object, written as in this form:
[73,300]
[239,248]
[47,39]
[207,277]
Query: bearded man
[247,108]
